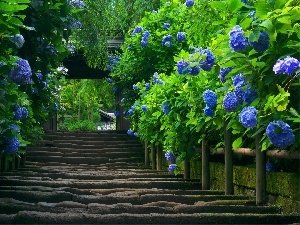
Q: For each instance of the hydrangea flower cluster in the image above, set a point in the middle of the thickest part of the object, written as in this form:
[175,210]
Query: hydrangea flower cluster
[12,145]
[172,168]
[239,80]
[167,41]
[109,80]
[263,42]
[286,66]
[183,67]
[230,102]
[157,80]
[18,40]
[195,70]
[280,134]
[21,73]
[116,113]
[75,24]
[180,36]
[209,61]
[130,132]
[71,49]
[249,95]
[20,113]
[115,88]
[131,110]
[189,3]
[135,87]
[244,1]
[113,61]
[170,156]
[135,134]
[137,29]
[248,117]
[147,86]
[223,73]
[166,25]
[76,3]
[145,39]
[166,107]
[210,99]
[144,108]
[237,41]
[271,167]
[14,128]
[252,15]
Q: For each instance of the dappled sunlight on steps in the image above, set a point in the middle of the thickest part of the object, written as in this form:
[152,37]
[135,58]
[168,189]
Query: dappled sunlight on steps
[99,178]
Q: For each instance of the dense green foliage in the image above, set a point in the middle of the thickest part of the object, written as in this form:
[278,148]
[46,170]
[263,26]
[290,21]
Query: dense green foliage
[180,130]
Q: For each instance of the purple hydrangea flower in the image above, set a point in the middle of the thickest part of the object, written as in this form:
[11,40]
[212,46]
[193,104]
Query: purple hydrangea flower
[280,134]
[166,107]
[237,41]
[12,145]
[144,108]
[172,168]
[18,40]
[210,98]
[183,67]
[230,102]
[180,36]
[286,66]
[170,156]
[189,3]
[166,25]
[223,73]
[209,111]
[263,42]
[247,117]
[21,73]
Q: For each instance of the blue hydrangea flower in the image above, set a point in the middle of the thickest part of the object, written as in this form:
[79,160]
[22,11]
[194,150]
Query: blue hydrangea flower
[239,94]
[130,132]
[286,66]
[109,80]
[166,107]
[135,87]
[183,67]
[146,35]
[172,168]
[147,86]
[137,29]
[209,61]
[130,112]
[247,117]
[244,1]
[195,70]
[180,36]
[209,111]
[123,100]
[210,98]
[239,80]
[18,40]
[271,167]
[166,25]
[21,73]
[263,42]
[144,43]
[76,3]
[252,15]
[117,113]
[280,134]
[237,41]
[115,88]
[170,156]
[223,73]
[230,102]
[21,113]
[167,41]
[12,145]
[144,108]
[135,134]
[189,3]
[14,128]
[16,106]
[75,24]
[249,95]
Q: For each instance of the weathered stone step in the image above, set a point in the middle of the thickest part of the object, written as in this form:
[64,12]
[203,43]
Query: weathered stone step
[11,206]
[102,184]
[66,147]
[33,217]
[92,152]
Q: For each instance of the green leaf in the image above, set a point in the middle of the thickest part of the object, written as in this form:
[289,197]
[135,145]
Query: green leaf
[254,36]
[294,112]
[279,4]
[218,5]
[237,143]
[234,5]
[267,24]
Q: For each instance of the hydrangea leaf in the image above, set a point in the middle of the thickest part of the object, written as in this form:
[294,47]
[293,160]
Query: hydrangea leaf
[234,5]
[237,143]
[218,5]
[254,36]
[267,24]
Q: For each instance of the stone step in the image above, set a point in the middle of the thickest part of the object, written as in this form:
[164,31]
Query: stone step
[102,150]
[89,146]
[11,206]
[35,217]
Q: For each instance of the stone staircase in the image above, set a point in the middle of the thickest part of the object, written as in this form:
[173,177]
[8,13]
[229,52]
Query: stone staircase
[99,178]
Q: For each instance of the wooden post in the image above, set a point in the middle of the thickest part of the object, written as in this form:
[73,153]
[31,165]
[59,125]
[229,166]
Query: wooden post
[187,170]
[159,157]
[260,172]
[229,188]
[146,154]
[4,163]
[11,163]
[153,156]
[205,167]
